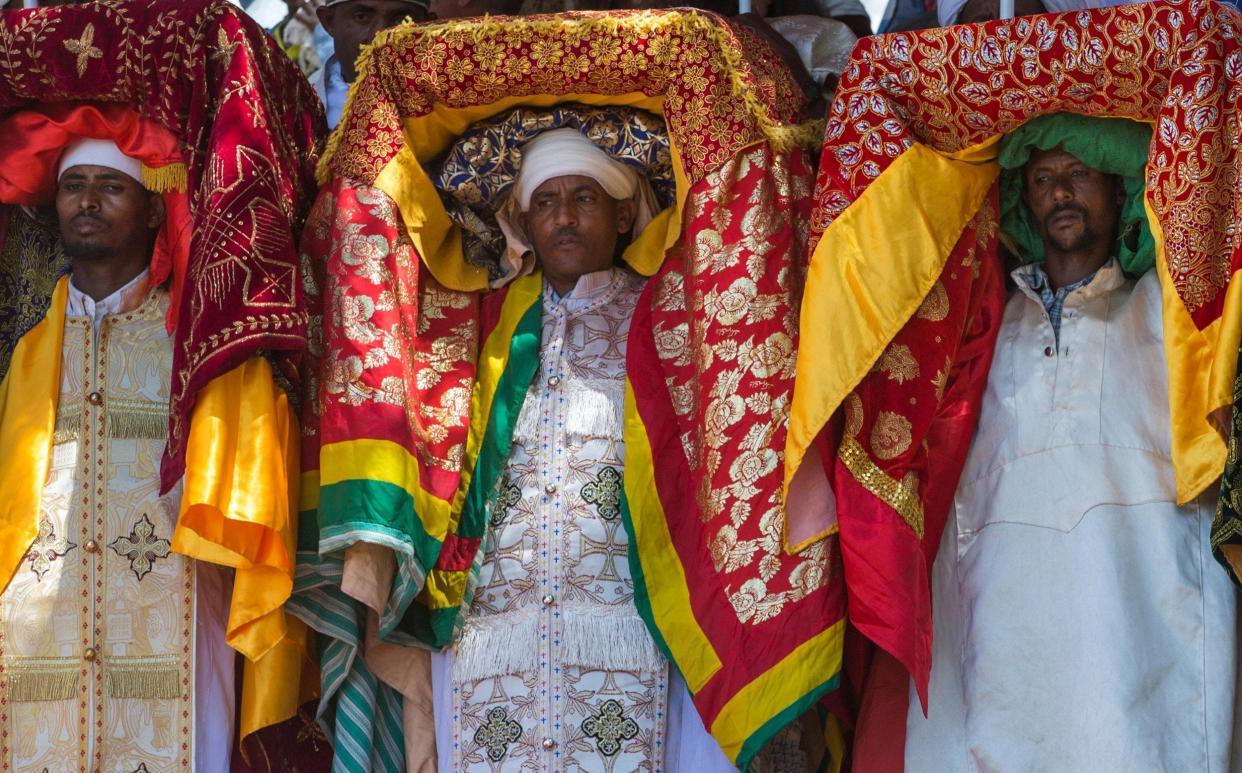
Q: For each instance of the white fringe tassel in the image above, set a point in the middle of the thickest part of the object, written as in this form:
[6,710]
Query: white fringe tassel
[596,637]
[593,408]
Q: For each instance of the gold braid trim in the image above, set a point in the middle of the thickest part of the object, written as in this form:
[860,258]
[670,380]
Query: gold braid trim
[164,179]
[891,492]
[140,680]
[54,679]
[780,136]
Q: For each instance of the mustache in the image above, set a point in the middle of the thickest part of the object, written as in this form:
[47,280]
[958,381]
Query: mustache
[86,216]
[1068,206]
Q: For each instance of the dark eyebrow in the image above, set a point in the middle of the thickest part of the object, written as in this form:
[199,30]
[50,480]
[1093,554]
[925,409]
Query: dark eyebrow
[109,175]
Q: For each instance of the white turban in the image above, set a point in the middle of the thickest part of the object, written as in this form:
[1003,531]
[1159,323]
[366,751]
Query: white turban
[563,152]
[558,153]
[99,153]
[948,10]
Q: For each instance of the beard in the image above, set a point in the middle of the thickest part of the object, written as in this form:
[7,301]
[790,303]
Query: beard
[85,251]
[1074,242]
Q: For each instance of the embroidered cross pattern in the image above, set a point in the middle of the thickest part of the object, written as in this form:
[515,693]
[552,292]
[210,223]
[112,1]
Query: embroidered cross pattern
[508,496]
[609,727]
[497,733]
[605,493]
[141,547]
[46,548]
[84,49]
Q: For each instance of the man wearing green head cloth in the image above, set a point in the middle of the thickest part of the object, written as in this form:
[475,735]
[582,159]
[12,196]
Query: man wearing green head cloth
[1080,621]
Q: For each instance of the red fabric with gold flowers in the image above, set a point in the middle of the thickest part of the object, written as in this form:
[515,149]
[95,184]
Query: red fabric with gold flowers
[755,630]
[939,99]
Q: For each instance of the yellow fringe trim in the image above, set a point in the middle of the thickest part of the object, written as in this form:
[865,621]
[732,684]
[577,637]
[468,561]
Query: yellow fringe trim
[780,136]
[143,682]
[68,426]
[164,179]
[137,425]
[29,684]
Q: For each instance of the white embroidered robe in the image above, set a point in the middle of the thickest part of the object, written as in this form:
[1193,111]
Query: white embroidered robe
[112,648]
[554,668]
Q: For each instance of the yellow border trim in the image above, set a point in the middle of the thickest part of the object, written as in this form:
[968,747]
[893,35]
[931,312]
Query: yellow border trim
[663,575]
[814,662]
[1201,366]
[871,270]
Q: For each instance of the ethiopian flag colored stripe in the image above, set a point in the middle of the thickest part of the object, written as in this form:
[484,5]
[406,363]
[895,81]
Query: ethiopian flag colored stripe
[748,681]
[508,361]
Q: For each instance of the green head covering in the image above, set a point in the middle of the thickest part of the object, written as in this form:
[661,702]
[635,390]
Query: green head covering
[1111,145]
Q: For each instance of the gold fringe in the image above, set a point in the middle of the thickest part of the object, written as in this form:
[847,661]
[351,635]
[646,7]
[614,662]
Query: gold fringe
[137,425]
[68,427]
[143,682]
[32,685]
[782,137]
[163,179]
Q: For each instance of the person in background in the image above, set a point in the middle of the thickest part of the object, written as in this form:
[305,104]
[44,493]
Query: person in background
[457,9]
[352,24]
[295,35]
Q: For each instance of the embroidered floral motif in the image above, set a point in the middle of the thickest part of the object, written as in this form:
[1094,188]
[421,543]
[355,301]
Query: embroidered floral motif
[609,726]
[141,547]
[605,493]
[47,548]
[497,733]
[508,496]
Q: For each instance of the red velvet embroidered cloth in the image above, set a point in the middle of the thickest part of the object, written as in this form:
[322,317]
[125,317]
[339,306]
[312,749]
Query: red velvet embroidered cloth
[249,125]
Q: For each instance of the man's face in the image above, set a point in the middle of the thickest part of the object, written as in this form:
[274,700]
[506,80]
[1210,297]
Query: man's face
[104,213]
[355,23]
[573,225]
[1074,206]
[987,10]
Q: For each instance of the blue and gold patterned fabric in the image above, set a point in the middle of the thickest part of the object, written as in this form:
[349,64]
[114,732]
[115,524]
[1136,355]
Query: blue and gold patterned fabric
[31,260]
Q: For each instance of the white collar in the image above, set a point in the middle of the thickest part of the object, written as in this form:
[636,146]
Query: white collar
[125,299]
[588,289]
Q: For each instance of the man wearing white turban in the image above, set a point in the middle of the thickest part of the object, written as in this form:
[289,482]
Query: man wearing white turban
[554,668]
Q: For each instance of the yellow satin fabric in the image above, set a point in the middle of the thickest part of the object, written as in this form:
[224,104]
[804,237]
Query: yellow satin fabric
[238,508]
[869,273]
[28,397]
[1202,365]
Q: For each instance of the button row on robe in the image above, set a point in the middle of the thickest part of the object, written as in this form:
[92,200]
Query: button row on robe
[549,743]
[89,655]
[95,398]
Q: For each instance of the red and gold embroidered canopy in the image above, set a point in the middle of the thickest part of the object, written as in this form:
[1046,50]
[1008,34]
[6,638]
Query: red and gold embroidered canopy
[248,124]
[904,273]
[408,421]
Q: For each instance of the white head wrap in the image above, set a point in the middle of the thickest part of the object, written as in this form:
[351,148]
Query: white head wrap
[99,153]
[558,153]
[564,152]
[948,10]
